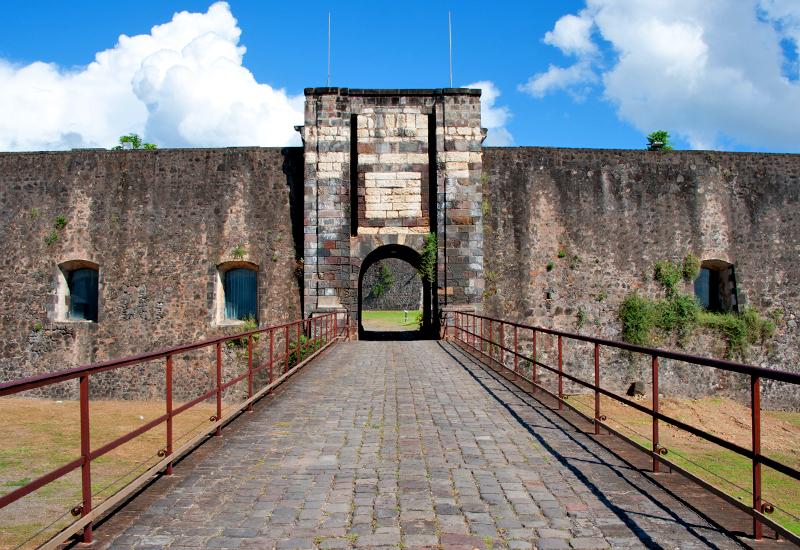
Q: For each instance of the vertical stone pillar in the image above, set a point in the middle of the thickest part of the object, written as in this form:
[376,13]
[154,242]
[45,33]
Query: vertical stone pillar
[460,228]
[326,200]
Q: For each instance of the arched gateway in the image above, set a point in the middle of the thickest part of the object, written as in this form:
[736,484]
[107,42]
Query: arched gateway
[383,170]
[427,328]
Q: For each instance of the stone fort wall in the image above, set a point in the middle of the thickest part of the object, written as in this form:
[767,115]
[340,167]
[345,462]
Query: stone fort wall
[158,223]
[613,214]
[404,293]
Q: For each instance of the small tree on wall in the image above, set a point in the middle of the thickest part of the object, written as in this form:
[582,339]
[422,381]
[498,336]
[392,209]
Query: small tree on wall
[133,141]
[659,141]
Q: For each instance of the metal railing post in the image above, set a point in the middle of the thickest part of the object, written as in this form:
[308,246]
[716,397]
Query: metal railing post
[271,354]
[298,344]
[516,351]
[250,371]
[286,363]
[534,358]
[86,465]
[490,340]
[755,431]
[560,375]
[169,412]
[502,344]
[219,388]
[654,367]
[596,387]
[474,330]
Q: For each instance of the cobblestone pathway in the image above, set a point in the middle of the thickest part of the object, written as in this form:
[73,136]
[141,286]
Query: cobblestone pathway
[404,445]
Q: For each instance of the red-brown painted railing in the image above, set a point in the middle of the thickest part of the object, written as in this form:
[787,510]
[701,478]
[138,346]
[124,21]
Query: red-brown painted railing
[481,334]
[320,332]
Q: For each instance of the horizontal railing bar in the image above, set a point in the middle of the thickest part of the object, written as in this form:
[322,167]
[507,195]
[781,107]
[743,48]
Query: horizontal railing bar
[110,446]
[693,477]
[233,381]
[17,494]
[120,496]
[46,379]
[189,404]
[723,364]
[765,460]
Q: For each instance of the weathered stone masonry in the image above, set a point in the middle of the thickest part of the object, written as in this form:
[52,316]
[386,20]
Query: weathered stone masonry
[417,170]
[614,214]
[157,223]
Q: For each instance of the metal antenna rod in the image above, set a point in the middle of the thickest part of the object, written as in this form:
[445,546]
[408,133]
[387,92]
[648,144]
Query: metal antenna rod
[329,49]
[450,33]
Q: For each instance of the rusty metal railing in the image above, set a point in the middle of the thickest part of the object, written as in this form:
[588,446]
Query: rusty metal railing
[299,340]
[494,338]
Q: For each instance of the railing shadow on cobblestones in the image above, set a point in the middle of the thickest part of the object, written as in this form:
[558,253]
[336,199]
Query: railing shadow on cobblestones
[557,423]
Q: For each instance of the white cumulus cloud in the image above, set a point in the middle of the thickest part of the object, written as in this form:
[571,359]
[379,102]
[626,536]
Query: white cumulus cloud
[493,117]
[572,34]
[181,85]
[712,72]
[560,78]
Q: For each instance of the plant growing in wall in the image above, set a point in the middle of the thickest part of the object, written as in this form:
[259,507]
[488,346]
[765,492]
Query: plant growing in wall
[238,252]
[668,274]
[645,321]
[691,267]
[580,318]
[248,323]
[427,264]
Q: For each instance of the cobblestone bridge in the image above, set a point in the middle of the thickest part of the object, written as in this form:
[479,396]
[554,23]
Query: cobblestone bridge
[405,445]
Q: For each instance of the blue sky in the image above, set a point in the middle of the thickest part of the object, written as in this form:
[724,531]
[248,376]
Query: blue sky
[582,73]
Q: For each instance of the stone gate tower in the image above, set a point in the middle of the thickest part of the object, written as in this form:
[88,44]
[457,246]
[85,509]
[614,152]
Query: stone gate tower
[383,169]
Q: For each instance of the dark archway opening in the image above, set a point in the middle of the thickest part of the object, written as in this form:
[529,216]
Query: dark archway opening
[409,331]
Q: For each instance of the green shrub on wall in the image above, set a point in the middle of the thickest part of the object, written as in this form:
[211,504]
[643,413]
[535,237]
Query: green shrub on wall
[691,267]
[636,316]
[668,274]
[647,322]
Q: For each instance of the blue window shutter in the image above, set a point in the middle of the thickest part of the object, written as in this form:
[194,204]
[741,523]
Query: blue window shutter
[240,293]
[702,287]
[82,294]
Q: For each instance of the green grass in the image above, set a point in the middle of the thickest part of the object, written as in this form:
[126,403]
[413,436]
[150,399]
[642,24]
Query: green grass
[394,317]
[728,471]
[735,469]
